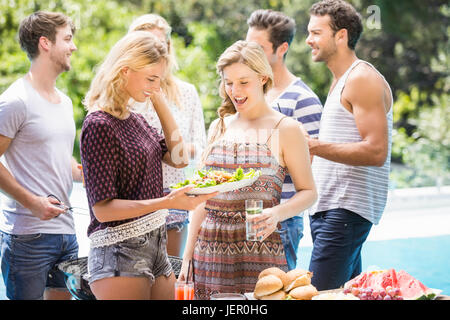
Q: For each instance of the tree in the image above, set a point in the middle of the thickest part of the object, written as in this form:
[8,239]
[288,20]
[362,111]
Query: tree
[99,25]
[408,43]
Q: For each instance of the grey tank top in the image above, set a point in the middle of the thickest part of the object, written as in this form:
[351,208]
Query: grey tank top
[361,189]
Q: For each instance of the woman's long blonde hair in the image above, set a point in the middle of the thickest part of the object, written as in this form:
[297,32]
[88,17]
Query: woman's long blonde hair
[136,50]
[250,54]
[148,22]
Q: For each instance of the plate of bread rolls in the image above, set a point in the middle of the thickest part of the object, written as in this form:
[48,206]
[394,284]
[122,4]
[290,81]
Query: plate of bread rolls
[276,284]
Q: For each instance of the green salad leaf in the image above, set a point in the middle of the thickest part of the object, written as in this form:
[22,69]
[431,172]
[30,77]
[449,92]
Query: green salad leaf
[180,184]
[239,174]
[208,178]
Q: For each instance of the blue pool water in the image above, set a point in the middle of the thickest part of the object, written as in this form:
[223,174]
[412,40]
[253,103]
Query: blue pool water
[426,259]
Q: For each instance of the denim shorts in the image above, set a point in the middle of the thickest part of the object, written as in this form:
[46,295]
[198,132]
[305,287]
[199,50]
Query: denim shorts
[141,256]
[338,236]
[29,263]
[290,233]
[177,219]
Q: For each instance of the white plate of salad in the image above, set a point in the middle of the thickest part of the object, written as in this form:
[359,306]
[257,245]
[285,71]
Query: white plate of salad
[209,181]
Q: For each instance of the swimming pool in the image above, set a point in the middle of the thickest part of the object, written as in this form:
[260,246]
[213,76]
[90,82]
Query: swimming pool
[426,259]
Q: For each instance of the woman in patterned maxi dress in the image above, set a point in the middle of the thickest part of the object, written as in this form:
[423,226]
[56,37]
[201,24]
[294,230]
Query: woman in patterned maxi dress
[253,136]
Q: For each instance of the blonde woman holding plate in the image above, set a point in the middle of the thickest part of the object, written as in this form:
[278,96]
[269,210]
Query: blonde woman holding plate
[186,108]
[121,157]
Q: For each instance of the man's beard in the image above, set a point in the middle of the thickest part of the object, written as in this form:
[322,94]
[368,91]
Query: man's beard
[60,64]
[325,54]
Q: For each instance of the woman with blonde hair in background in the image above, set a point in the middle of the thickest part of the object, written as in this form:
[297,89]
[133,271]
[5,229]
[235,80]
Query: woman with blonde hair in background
[121,157]
[186,108]
[248,134]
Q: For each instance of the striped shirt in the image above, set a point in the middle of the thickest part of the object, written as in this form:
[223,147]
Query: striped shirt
[301,103]
[361,189]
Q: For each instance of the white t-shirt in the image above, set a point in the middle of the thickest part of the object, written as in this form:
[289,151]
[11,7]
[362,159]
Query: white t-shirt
[39,156]
[190,121]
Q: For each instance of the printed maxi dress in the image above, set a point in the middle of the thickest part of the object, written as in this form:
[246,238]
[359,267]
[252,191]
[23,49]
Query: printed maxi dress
[224,261]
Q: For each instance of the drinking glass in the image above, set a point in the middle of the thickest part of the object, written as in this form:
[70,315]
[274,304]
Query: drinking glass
[184,290]
[253,208]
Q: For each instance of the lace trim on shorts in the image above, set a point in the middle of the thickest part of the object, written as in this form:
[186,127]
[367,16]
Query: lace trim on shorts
[139,227]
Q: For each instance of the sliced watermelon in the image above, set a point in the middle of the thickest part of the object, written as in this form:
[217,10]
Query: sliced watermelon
[382,280]
[366,280]
[358,281]
[411,288]
[388,278]
[375,280]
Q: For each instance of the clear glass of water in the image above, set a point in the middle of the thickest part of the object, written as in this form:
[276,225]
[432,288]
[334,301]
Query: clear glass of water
[253,208]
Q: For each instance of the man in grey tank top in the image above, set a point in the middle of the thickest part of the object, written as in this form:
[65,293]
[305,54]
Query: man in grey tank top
[37,133]
[352,154]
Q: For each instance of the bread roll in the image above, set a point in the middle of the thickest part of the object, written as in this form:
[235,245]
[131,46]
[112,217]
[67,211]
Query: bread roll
[267,285]
[279,295]
[294,274]
[304,292]
[300,281]
[275,271]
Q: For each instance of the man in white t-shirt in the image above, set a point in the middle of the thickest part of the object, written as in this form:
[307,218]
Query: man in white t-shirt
[37,133]
[274,32]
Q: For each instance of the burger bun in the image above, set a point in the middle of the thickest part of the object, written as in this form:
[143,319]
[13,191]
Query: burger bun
[267,285]
[304,292]
[279,295]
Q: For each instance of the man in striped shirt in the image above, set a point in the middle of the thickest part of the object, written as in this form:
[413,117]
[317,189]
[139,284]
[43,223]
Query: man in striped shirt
[274,32]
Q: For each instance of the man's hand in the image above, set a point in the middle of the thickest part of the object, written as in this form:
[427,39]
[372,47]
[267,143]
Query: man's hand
[45,208]
[77,173]
[312,145]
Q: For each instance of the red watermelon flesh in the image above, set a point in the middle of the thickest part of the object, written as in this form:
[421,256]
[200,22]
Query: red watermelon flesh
[358,281]
[374,279]
[410,288]
[389,278]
